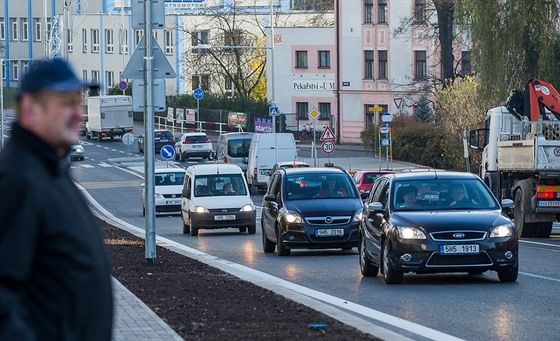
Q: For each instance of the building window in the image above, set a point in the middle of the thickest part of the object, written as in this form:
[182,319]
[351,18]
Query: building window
[95,40]
[382,11]
[325,110]
[15,69]
[109,79]
[2,29]
[123,41]
[368,11]
[383,64]
[37,33]
[168,42]
[420,12]
[324,59]
[200,81]
[84,76]
[109,41]
[49,28]
[312,5]
[420,72]
[4,70]
[466,66]
[233,38]
[24,67]
[95,76]
[24,29]
[368,64]
[138,34]
[301,59]
[84,40]
[200,37]
[14,26]
[302,110]
[70,40]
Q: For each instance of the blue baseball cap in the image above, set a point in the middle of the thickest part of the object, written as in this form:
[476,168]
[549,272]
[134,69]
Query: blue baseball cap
[53,75]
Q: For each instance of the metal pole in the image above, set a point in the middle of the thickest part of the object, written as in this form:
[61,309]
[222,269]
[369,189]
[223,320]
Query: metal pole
[314,144]
[198,115]
[2,61]
[149,136]
[272,99]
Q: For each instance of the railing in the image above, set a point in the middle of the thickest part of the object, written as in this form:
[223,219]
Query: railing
[182,126]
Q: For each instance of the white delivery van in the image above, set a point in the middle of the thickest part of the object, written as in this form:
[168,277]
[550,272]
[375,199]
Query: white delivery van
[233,148]
[216,196]
[265,151]
[109,116]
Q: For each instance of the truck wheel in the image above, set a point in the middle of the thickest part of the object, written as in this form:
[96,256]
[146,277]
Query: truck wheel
[88,135]
[525,230]
[99,137]
[543,230]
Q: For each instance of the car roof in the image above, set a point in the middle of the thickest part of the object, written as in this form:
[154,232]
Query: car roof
[432,174]
[194,134]
[215,168]
[236,134]
[168,170]
[313,170]
[291,163]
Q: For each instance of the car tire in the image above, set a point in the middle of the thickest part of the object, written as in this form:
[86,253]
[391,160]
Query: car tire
[210,156]
[252,229]
[509,275]
[281,249]
[176,156]
[268,246]
[181,157]
[194,229]
[390,275]
[242,229]
[367,269]
[186,227]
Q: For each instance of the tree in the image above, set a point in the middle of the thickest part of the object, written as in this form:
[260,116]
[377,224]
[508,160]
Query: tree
[423,111]
[513,41]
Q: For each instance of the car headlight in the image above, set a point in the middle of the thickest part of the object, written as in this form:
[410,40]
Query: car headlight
[247,208]
[200,209]
[293,217]
[358,215]
[502,231]
[158,196]
[410,233]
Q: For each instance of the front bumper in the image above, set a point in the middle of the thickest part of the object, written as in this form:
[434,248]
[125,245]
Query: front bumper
[304,236]
[218,219]
[168,204]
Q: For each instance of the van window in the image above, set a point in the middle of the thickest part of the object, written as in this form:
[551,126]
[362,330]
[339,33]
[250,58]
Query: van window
[217,184]
[238,147]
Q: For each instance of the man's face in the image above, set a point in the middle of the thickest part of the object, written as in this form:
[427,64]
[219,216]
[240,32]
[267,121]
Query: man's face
[56,117]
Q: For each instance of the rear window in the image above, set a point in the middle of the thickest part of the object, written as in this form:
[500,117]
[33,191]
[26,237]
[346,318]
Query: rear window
[170,179]
[163,135]
[196,139]
[238,147]
[370,178]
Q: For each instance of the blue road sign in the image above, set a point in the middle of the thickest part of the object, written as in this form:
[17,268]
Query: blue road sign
[167,152]
[198,93]
[273,111]
[123,85]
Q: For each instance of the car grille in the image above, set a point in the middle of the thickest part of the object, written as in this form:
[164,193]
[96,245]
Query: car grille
[174,196]
[456,235]
[224,210]
[437,260]
[328,220]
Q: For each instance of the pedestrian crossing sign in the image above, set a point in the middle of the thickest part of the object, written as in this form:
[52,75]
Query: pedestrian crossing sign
[327,134]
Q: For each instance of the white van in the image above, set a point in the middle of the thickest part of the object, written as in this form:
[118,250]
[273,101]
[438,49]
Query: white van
[216,196]
[233,148]
[265,151]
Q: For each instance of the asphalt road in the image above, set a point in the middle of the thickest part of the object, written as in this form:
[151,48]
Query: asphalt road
[458,305]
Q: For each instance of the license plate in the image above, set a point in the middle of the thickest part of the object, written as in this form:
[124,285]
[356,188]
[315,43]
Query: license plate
[548,203]
[329,232]
[173,202]
[197,146]
[225,217]
[459,249]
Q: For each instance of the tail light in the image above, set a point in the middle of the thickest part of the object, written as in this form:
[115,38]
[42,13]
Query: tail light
[225,159]
[131,131]
[546,195]
[186,142]
[207,141]
[255,172]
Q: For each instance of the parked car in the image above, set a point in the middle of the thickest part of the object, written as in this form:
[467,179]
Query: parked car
[364,179]
[162,137]
[310,208]
[77,151]
[168,185]
[430,222]
[216,196]
[193,145]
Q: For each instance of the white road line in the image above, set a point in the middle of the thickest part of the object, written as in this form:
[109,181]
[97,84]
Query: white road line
[317,300]
[538,243]
[87,166]
[103,164]
[539,276]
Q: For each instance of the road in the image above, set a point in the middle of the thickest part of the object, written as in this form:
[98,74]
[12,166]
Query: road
[463,306]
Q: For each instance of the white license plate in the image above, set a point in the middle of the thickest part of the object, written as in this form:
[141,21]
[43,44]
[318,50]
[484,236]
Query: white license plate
[548,203]
[197,146]
[459,249]
[329,232]
[225,217]
[173,202]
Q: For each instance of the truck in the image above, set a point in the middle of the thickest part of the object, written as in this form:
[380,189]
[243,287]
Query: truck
[520,146]
[109,116]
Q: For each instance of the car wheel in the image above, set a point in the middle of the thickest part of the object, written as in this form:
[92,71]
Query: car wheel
[242,229]
[509,275]
[281,249]
[194,229]
[367,269]
[181,157]
[268,246]
[176,156]
[211,156]
[252,229]
[186,229]
[390,275]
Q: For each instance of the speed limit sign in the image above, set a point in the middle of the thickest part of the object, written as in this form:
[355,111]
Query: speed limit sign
[328,146]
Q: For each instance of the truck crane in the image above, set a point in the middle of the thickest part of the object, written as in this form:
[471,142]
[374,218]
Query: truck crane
[520,146]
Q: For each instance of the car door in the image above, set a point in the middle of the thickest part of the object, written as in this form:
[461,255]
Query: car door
[374,220]
[178,144]
[270,208]
[185,198]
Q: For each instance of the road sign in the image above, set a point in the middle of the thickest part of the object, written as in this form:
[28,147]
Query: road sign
[386,118]
[328,146]
[273,111]
[167,152]
[327,134]
[198,93]
[157,14]
[160,65]
[314,114]
[398,102]
[375,109]
[123,85]
[384,129]
[385,142]
[128,139]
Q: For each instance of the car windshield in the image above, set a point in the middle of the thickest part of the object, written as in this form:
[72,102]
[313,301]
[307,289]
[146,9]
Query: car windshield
[219,185]
[437,194]
[170,179]
[319,186]
[163,135]
[238,147]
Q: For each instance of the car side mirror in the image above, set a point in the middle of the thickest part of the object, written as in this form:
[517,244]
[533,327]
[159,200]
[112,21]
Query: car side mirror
[143,185]
[270,197]
[375,207]
[186,193]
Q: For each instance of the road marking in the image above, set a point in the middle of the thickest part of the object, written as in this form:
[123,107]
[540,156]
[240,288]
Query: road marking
[539,243]
[541,277]
[110,184]
[87,166]
[319,301]
[103,164]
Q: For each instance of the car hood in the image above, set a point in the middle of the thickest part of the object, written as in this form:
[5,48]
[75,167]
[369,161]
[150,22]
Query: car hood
[434,221]
[322,207]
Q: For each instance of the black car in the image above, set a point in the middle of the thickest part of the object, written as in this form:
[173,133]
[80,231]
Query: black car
[310,208]
[433,222]
[162,137]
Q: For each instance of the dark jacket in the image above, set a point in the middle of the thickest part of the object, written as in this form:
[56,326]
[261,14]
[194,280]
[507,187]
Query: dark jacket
[55,280]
